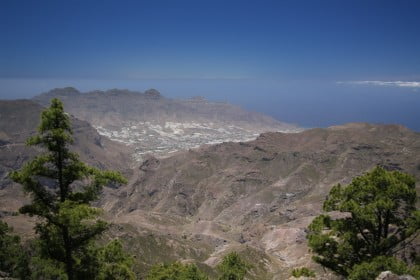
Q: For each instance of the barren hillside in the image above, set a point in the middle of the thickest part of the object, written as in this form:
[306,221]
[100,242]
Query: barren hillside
[258,195]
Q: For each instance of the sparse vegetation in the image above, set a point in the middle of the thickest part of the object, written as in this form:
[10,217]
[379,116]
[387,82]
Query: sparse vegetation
[176,271]
[379,218]
[233,267]
[303,271]
[114,263]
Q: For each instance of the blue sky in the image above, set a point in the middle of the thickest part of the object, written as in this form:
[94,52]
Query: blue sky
[314,63]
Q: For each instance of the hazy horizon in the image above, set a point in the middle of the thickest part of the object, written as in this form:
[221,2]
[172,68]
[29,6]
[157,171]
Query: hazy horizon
[294,103]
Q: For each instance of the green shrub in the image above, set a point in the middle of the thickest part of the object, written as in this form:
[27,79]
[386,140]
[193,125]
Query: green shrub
[233,267]
[176,271]
[12,257]
[303,271]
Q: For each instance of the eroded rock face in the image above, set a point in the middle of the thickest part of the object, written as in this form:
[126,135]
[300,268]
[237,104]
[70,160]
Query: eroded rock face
[388,275]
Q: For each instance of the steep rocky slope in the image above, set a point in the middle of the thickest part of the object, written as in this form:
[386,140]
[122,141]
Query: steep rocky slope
[151,123]
[258,195]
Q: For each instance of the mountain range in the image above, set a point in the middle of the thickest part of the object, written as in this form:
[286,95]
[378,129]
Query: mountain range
[255,197]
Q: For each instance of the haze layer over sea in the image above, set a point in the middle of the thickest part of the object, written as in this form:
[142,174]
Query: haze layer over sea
[308,103]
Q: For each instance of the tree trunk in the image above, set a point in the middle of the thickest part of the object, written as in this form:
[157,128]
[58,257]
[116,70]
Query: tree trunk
[68,249]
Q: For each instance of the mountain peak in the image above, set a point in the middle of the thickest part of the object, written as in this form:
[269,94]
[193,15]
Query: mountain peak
[64,91]
[153,93]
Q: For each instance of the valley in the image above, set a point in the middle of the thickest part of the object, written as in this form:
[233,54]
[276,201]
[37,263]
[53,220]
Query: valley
[170,137]
[199,188]
[258,197]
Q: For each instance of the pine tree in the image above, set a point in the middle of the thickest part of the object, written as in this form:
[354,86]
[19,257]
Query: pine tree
[379,219]
[62,188]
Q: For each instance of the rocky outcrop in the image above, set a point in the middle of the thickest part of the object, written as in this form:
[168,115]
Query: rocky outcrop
[388,275]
